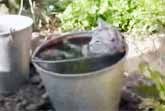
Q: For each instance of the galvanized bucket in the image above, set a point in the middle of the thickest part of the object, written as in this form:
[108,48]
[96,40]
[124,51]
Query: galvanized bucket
[15,36]
[96,87]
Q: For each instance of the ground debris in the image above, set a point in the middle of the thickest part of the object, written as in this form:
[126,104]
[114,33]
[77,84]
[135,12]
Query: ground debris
[33,97]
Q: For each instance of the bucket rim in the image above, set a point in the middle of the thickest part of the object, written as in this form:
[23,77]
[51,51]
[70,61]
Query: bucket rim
[15,21]
[65,35]
[34,62]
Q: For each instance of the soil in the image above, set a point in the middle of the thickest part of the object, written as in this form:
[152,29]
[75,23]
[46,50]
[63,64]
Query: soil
[33,97]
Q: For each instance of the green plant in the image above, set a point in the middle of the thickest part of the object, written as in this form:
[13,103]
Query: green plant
[150,104]
[12,5]
[157,104]
[127,15]
[43,17]
[149,16]
[156,77]
[54,6]
[80,14]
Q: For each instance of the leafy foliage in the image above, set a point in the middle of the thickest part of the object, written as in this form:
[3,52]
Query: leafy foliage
[53,6]
[79,17]
[158,104]
[149,15]
[128,15]
[146,16]
[150,104]
[156,77]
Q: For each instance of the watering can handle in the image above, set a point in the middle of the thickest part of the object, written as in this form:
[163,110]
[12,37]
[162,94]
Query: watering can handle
[12,34]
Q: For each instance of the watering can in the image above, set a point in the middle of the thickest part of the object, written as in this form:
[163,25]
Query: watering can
[15,36]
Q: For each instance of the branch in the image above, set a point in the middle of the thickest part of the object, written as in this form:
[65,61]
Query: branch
[21,8]
[31,9]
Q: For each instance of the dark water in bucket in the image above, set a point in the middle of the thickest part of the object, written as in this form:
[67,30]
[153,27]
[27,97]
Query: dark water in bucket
[62,58]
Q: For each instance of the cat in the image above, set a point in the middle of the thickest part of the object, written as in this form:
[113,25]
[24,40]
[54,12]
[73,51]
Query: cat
[106,40]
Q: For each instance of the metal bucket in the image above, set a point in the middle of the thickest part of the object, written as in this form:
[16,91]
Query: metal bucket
[15,36]
[96,87]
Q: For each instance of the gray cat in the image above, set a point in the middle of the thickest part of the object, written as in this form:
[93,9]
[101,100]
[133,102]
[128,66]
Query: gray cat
[105,40]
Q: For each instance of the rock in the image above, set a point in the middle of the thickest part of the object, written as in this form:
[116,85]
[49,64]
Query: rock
[42,105]
[7,105]
[18,107]
[18,100]
[51,110]
[2,102]
[45,96]
[24,102]
[150,49]
[32,107]
[129,96]
[35,79]
[41,86]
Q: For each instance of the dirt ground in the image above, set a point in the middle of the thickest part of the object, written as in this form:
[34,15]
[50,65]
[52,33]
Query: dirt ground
[32,97]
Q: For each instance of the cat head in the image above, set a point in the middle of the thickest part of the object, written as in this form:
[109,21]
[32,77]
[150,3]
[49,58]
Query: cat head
[107,39]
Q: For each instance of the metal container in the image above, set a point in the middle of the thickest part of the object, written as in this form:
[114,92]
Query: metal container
[96,87]
[15,36]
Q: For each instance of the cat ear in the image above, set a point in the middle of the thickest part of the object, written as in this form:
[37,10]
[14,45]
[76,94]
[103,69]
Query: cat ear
[101,23]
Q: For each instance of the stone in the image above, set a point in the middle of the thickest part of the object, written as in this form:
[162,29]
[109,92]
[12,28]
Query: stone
[41,86]
[42,105]
[51,110]
[32,107]
[7,105]
[2,102]
[18,107]
[45,96]
[35,79]
[150,49]
[24,102]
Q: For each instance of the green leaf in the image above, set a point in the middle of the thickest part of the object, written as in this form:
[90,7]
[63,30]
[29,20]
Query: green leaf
[128,15]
